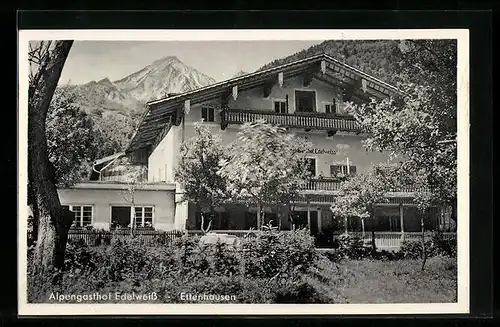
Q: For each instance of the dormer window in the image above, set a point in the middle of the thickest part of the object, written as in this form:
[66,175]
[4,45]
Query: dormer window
[208,114]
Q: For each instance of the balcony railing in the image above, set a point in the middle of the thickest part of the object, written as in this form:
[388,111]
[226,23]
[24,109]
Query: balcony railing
[322,185]
[319,184]
[393,240]
[297,120]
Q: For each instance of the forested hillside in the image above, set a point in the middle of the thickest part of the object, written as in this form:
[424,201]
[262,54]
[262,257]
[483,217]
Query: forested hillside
[379,58]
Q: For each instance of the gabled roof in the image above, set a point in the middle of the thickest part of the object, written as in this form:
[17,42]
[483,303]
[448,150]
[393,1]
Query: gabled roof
[332,71]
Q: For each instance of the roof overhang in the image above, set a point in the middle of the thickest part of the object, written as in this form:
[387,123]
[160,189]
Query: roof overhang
[121,186]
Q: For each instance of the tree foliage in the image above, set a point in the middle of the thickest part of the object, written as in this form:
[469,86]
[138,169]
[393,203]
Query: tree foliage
[378,58]
[197,171]
[420,125]
[359,194]
[267,166]
[70,140]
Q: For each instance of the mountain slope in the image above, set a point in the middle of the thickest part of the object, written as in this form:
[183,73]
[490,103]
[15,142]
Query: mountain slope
[116,107]
[379,58]
[129,94]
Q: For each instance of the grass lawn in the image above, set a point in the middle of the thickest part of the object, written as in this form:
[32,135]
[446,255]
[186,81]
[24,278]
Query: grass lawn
[402,281]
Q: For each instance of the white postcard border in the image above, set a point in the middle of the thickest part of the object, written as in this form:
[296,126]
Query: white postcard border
[56,309]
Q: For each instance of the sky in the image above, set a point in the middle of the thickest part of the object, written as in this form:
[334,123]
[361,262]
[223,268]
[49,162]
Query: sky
[95,60]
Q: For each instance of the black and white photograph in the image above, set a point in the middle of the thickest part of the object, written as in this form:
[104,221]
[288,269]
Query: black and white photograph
[256,171]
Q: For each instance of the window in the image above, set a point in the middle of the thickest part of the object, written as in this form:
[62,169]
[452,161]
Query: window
[336,170]
[208,114]
[121,216]
[305,101]
[331,108]
[388,224]
[250,219]
[83,214]
[143,216]
[311,165]
[280,107]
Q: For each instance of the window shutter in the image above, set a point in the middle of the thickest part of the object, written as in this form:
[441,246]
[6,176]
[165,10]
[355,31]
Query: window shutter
[204,113]
[211,114]
[334,106]
[286,102]
[276,106]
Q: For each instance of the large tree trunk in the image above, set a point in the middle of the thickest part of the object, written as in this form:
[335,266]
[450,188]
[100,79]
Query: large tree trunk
[424,250]
[53,222]
[374,246]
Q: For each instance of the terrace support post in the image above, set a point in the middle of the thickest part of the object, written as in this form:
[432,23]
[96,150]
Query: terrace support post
[424,252]
[309,216]
[401,217]
[319,219]
[259,211]
[363,227]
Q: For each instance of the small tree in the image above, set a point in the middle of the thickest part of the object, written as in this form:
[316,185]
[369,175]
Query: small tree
[70,139]
[197,172]
[267,166]
[134,184]
[421,125]
[360,194]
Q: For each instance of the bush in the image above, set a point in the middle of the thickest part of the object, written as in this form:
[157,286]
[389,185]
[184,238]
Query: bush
[223,260]
[437,245]
[272,253]
[444,246]
[273,267]
[78,257]
[413,249]
[325,238]
[351,247]
[126,259]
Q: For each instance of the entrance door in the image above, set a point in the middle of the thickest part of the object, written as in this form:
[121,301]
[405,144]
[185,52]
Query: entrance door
[120,216]
[300,220]
[314,223]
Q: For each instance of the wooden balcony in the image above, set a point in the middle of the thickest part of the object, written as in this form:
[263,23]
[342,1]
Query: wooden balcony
[319,121]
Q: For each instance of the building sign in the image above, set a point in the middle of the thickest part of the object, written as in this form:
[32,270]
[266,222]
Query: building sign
[322,151]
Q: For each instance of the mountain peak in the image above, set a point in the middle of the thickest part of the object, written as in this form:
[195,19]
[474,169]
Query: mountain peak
[105,81]
[166,75]
[167,59]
